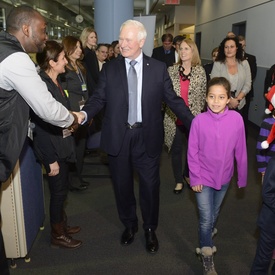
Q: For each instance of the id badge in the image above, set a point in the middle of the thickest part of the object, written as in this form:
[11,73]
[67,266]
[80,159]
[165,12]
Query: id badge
[66,133]
[84,87]
[30,129]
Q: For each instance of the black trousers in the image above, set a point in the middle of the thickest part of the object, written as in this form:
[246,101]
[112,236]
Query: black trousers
[179,154]
[59,186]
[80,142]
[265,247]
[133,157]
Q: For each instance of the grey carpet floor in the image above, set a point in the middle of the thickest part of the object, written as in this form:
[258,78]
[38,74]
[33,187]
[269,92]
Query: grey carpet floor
[95,211]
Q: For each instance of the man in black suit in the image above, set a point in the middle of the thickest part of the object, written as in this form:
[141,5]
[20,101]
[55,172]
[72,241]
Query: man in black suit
[139,145]
[166,52]
[253,68]
[266,223]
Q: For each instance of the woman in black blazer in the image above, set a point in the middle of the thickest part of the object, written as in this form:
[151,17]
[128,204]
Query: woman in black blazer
[88,39]
[74,83]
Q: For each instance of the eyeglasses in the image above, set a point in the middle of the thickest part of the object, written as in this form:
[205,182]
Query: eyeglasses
[183,76]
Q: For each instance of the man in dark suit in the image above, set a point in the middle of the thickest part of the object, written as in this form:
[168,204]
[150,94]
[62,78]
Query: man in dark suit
[266,223]
[137,145]
[253,68]
[166,52]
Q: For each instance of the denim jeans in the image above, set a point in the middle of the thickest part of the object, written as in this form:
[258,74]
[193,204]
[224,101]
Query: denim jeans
[209,202]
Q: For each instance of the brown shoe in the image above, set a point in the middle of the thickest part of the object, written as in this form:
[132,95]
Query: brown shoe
[60,238]
[70,230]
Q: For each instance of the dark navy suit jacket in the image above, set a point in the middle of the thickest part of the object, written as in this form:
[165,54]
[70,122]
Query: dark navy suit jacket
[168,59]
[112,92]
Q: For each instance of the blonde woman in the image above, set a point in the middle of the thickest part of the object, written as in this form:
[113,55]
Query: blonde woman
[189,81]
[88,39]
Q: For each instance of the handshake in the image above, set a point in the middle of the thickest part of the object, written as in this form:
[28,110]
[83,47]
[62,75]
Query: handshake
[79,117]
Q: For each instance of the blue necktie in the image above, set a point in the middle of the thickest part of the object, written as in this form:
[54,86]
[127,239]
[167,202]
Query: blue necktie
[132,90]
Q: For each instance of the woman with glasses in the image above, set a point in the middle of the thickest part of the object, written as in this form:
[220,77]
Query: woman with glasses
[189,81]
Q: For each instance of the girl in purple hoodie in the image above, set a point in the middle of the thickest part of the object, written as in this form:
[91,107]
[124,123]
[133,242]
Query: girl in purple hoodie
[217,138]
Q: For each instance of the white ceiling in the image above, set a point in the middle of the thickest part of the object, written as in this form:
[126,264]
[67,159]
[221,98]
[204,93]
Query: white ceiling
[65,11]
[156,7]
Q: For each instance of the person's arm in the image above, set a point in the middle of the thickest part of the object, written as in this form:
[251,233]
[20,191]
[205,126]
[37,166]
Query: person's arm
[241,154]
[269,185]
[247,81]
[261,154]
[18,72]
[193,156]
[216,70]
[253,67]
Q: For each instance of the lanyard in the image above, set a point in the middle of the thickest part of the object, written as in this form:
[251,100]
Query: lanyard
[80,75]
[61,90]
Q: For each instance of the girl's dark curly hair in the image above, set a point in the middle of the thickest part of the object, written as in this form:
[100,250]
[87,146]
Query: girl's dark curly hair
[239,54]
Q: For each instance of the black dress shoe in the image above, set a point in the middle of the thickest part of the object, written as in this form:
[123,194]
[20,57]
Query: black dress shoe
[84,183]
[152,244]
[81,187]
[178,191]
[128,236]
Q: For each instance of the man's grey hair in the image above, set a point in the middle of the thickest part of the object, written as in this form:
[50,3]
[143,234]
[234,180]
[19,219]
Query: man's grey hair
[142,33]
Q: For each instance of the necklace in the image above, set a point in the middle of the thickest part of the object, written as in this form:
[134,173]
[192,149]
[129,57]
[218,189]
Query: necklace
[184,76]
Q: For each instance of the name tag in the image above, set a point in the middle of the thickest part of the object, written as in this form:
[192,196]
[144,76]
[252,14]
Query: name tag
[66,133]
[84,87]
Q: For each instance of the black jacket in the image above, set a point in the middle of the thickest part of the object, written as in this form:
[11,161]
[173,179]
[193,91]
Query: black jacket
[48,141]
[168,59]
[14,114]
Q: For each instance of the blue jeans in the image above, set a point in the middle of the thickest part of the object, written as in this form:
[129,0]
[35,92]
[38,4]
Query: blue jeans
[209,202]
